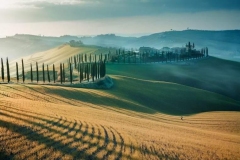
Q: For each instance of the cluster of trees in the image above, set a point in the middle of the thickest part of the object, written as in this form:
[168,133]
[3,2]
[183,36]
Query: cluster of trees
[148,54]
[88,66]
[86,71]
[74,43]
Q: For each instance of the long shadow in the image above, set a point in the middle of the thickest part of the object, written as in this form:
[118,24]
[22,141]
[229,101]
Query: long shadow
[66,102]
[79,96]
[20,95]
[56,142]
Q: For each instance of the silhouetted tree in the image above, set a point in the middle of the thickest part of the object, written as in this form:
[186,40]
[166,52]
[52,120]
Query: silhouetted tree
[23,74]
[70,73]
[207,51]
[81,72]
[75,62]
[48,74]
[61,75]
[37,72]
[54,78]
[31,73]
[2,69]
[87,72]
[17,72]
[92,71]
[63,72]
[95,70]
[43,73]
[8,72]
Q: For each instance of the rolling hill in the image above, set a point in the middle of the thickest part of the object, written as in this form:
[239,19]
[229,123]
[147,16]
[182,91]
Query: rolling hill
[139,118]
[223,44]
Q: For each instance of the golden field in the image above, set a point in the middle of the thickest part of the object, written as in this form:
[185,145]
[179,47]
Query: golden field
[42,122]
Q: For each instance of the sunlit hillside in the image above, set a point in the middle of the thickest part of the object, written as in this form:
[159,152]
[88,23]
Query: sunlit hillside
[139,118]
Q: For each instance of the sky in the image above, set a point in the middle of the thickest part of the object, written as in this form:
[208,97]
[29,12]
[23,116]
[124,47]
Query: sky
[121,17]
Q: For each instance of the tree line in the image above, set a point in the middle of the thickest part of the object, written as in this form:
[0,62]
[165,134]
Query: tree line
[81,71]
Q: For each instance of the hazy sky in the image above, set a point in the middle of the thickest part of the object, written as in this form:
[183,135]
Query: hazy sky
[123,17]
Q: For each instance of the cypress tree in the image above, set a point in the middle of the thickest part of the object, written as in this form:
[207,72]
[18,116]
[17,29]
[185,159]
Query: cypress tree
[95,70]
[37,71]
[207,51]
[48,74]
[2,69]
[87,72]
[99,69]
[43,73]
[92,71]
[31,73]
[79,73]
[23,71]
[61,72]
[104,69]
[75,62]
[54,78]
[17,72]
[82,72]
[70,73]
[8,72]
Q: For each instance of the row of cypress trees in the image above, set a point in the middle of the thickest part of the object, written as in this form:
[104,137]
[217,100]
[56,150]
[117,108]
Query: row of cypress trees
[86,71]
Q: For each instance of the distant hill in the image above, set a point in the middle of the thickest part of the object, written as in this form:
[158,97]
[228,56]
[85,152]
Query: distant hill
[21,45]
[223,44]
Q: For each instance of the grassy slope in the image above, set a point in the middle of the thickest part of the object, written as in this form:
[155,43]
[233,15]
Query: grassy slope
[210,74]
[170,98]
[138,118]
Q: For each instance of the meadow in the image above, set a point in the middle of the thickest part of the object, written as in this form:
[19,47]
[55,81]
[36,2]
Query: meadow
[139,118]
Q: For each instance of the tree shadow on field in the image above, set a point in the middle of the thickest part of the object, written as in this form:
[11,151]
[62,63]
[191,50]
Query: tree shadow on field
[151,97]
[77,96]
[71,138]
